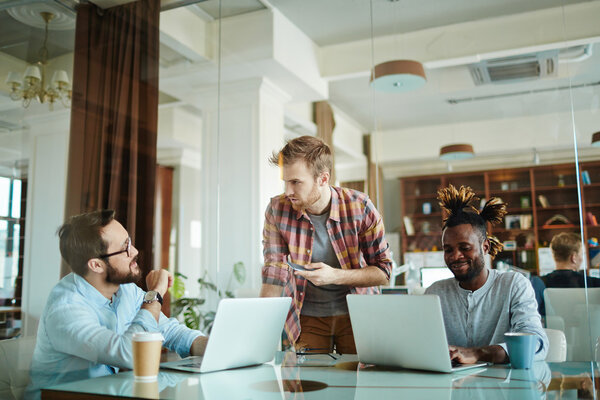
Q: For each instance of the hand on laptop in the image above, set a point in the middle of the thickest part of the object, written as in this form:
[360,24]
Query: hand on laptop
[470,355]
[199,345]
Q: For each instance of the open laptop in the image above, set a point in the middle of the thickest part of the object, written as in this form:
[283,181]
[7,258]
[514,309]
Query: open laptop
[401,331]
[245,332]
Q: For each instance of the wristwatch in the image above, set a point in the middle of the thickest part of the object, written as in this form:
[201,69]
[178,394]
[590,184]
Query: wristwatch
[152,296]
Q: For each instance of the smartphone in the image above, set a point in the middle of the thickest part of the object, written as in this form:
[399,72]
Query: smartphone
[297,267]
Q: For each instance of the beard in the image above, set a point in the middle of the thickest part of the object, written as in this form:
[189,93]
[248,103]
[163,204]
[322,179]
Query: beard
[113,276]
[476,265]
[311,199]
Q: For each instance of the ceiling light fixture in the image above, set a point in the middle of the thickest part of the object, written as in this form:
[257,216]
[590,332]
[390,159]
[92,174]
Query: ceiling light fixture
[398,76]
[453,152]
[596,139]
[32,85]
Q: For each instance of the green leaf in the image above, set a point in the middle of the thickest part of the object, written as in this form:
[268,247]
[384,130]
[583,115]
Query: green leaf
[210,285]
[179,274]
[239,271]
[178,288]
[209,319]
[191,318]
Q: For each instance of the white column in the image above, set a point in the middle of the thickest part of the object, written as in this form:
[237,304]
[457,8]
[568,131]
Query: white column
[46,189]
[237,178]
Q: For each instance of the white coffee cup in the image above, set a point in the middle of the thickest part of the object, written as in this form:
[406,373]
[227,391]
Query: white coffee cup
[146,347]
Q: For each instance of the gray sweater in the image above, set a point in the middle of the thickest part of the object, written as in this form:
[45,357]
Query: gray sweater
[505,303]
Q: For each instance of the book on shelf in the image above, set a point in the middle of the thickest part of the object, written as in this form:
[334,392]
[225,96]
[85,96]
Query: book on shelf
[543,201]
[512,222]
[525,221]
[408,225]
[585,177]
[591,219]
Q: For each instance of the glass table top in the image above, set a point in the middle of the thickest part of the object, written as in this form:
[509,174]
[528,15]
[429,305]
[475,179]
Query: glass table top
[345,378]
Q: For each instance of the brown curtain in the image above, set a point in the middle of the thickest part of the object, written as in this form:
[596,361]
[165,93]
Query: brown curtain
[323,116]
[112,149]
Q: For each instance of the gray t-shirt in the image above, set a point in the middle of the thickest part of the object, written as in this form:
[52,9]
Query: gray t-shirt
[505,303]
[327,300]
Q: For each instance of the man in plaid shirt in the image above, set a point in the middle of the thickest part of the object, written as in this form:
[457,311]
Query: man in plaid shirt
[335,234]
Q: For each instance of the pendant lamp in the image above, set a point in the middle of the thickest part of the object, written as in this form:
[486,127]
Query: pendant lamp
[596,139]
[398,76]
[453,152]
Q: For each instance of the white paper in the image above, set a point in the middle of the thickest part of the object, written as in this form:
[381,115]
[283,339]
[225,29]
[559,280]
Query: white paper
[545,260]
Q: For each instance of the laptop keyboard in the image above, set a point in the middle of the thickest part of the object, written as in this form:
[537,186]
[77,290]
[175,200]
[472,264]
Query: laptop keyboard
[191,365]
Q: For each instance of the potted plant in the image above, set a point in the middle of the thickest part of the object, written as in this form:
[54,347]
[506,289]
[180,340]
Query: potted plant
[190,309]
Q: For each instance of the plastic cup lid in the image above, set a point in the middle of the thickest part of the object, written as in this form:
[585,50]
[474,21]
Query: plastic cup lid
[147,337]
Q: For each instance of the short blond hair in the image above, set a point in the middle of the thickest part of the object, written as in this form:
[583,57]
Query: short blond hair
[310,149]
[564,245]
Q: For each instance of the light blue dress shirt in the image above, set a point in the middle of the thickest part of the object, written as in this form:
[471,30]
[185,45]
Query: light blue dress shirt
[82,334]
[505,303]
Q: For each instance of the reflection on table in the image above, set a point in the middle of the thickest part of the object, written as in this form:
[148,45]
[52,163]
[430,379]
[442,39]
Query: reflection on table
[289,377]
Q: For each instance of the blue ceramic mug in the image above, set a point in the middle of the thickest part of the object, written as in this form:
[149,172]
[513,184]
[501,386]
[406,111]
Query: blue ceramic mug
[521,348]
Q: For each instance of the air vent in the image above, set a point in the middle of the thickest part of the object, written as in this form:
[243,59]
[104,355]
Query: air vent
[514,69]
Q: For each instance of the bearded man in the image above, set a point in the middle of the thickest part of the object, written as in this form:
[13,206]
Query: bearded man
[92,313]
[479,304]
[334,234]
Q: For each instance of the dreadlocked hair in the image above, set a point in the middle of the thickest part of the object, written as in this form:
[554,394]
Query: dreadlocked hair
[461,208]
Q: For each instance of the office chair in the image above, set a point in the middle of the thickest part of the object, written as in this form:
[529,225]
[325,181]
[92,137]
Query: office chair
[566,310]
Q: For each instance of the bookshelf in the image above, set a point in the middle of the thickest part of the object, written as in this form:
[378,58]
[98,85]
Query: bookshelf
[542,201]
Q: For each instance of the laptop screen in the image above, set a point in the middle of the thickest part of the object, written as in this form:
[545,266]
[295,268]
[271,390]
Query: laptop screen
[433,274]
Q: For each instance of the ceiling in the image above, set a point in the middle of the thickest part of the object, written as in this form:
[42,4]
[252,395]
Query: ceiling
[338,21]
[334,23]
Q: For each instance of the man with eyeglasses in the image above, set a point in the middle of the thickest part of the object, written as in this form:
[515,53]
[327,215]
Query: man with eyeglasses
[91,314]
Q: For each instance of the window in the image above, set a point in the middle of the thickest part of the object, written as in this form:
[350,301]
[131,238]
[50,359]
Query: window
[12,222]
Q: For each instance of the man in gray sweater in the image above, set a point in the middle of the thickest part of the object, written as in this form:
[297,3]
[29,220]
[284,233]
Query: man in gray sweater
[480,305]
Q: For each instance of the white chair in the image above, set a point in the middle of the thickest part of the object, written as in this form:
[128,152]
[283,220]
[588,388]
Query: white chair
[418,290]
[557,345]
[15,361]
[566,310]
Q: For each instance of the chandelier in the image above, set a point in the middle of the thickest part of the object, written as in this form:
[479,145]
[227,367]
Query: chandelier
[32,85]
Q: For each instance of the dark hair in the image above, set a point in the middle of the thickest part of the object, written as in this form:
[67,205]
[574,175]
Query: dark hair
[80,239]
[461,207]
[312,150]
[564,245]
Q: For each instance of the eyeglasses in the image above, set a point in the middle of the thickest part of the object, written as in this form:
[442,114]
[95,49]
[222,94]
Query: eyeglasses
[127,250]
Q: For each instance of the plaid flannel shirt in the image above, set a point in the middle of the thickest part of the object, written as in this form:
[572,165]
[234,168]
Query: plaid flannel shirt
[356,232]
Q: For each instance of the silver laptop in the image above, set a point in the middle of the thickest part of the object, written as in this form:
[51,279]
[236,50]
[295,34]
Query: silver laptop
[246,332]
[401,331]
